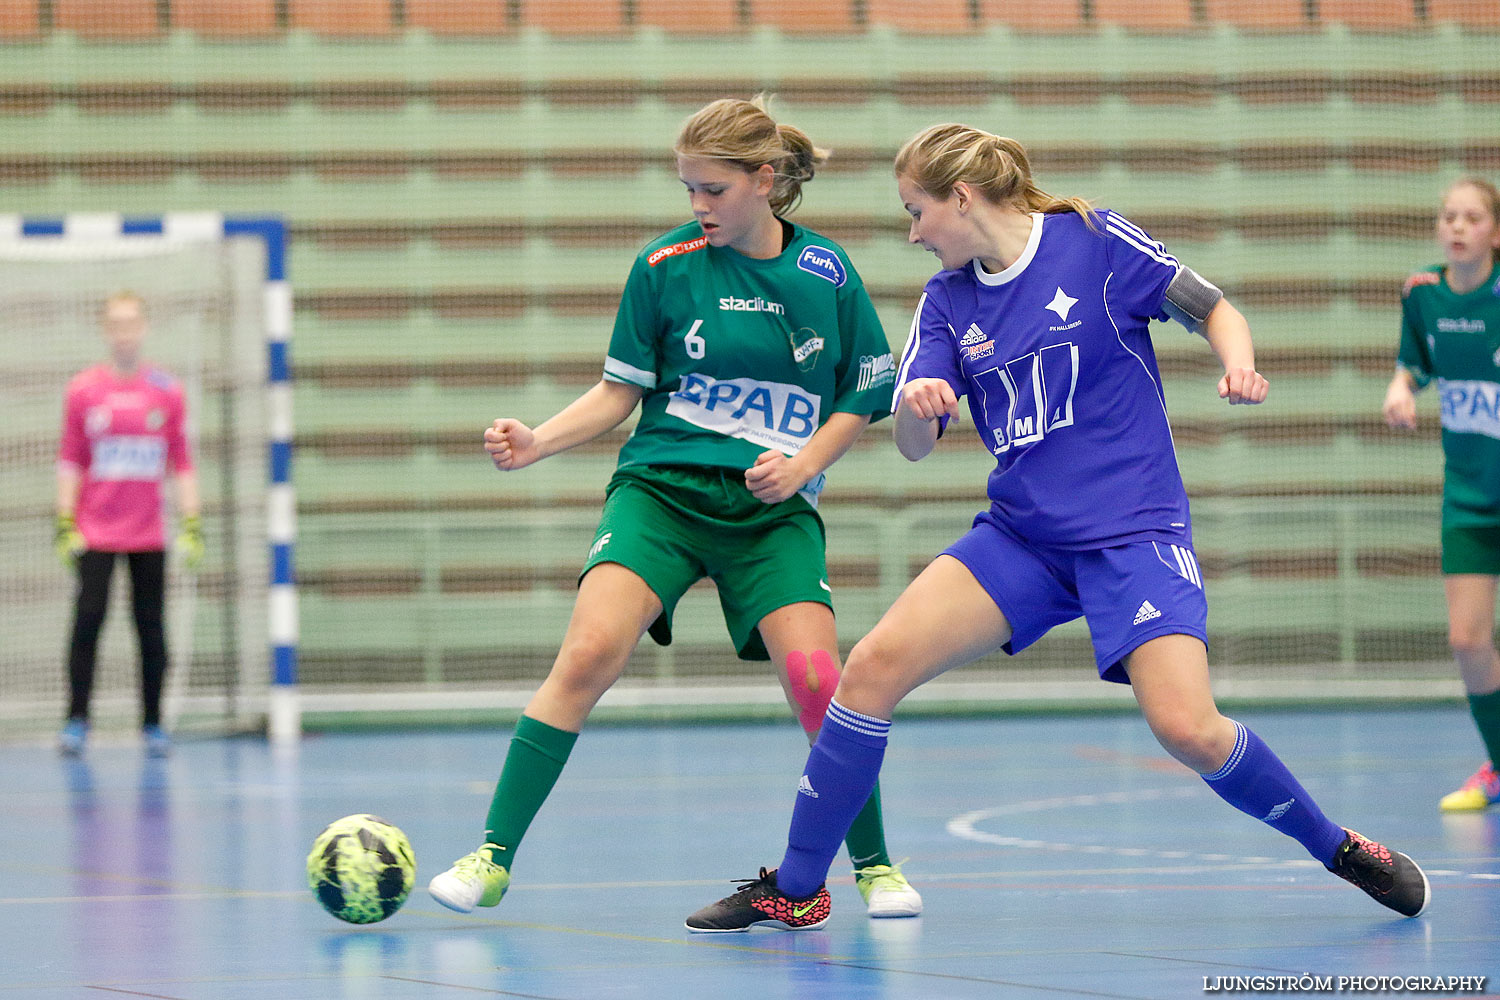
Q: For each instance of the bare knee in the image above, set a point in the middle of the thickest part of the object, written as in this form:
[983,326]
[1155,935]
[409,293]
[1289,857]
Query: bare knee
[872,683]
[1471,645]
[587,664]
[1202,741]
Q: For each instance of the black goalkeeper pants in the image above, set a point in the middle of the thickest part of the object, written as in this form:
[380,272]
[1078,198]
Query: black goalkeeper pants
[148,603]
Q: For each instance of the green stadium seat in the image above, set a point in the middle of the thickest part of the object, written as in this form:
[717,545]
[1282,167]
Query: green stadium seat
[1034,16]
[227,19]
[112,20]
[342,18]
[478,18]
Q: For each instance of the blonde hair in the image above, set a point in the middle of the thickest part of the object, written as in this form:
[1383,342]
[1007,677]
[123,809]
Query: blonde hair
[1488,193]
[937,158]
[123,295]
[744,133]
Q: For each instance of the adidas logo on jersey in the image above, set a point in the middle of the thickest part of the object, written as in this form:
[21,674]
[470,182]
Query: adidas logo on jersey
[972,335]
[804,787]
[1145,613]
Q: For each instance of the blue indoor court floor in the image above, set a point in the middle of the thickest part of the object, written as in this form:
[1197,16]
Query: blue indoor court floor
[1059,856]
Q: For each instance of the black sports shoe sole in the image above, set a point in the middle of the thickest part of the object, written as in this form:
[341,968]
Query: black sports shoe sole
[769,922]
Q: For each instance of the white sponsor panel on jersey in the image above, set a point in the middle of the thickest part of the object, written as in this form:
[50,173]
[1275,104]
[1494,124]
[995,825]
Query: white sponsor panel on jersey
[129,457]
[1471,407]
[771,414]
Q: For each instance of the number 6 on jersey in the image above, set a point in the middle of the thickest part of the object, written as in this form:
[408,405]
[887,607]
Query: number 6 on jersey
[696,345]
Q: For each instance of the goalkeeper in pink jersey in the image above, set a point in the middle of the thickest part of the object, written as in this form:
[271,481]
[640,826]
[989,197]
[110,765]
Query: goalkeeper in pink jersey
[123,431]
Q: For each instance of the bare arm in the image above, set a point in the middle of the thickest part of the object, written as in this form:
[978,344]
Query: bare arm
[774,477]
[1400,408]
[513,445]
[1228,333]
[188,503]
[69,481]
[923,402]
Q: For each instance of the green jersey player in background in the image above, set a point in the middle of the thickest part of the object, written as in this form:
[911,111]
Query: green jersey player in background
[1450,331]
[756,358]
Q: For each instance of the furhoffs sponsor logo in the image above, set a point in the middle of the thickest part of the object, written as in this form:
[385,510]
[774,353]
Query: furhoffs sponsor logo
[824,263]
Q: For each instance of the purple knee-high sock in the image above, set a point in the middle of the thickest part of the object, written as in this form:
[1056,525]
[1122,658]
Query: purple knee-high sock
[841,770]
[1256,782]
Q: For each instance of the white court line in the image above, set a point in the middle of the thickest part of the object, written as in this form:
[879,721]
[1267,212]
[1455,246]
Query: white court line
[965,826]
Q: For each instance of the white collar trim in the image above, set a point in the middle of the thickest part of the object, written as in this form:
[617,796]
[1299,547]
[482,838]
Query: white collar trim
[1014,271]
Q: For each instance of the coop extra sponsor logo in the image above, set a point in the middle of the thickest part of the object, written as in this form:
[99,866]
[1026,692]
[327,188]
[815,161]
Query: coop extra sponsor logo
[675,249]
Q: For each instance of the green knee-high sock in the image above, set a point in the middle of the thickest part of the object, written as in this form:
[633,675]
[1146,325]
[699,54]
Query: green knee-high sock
[866,839]
[1486,711]
[536,757]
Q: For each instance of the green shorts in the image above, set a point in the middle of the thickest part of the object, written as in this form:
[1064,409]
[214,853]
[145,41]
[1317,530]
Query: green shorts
[674,525]
[1471,548]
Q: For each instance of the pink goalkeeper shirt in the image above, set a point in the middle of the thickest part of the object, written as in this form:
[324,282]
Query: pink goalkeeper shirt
[123,434]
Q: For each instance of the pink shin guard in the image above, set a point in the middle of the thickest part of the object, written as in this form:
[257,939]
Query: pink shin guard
[813,681]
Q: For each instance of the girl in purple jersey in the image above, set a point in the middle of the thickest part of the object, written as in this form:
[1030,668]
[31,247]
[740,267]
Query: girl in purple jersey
[1040,317]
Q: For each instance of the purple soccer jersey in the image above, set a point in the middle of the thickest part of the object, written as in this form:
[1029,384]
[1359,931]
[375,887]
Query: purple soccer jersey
[1055,358]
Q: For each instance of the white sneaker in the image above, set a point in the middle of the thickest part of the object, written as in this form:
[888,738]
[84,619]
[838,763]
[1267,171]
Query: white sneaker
[886,892]
[474,880]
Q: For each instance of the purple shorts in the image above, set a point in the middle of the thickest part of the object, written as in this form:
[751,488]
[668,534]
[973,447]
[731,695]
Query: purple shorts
[1128,593]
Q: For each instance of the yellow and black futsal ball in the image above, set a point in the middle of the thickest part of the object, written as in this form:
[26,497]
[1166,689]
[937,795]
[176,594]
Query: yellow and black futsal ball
[361,869]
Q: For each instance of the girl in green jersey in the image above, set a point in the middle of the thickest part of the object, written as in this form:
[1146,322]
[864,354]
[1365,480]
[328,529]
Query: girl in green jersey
[1451,332]
[756,359]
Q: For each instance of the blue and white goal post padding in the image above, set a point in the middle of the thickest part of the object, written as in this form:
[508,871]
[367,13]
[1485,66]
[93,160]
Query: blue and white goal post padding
[283,713]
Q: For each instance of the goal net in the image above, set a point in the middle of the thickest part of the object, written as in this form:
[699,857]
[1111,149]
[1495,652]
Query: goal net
[205,298]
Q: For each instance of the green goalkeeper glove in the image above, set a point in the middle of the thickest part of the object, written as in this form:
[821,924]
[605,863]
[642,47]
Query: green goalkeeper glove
[190,541]
[67,540]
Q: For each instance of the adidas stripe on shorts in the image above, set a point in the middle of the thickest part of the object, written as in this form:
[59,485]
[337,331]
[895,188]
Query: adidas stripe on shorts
[1128,593]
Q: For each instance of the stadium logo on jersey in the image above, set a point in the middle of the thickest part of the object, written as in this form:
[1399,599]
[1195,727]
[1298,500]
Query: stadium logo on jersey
[1062,303]
[1470,407]
[675,249]
[824,263]
[1446,324]
[755,305]
[806,345]
[972,335]
[876,371]
[770,414]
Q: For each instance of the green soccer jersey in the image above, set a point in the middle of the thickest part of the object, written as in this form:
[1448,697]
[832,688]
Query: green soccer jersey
[1455,339]
[738,355]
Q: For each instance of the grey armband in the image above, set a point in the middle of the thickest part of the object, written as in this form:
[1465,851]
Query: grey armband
[1190,299]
